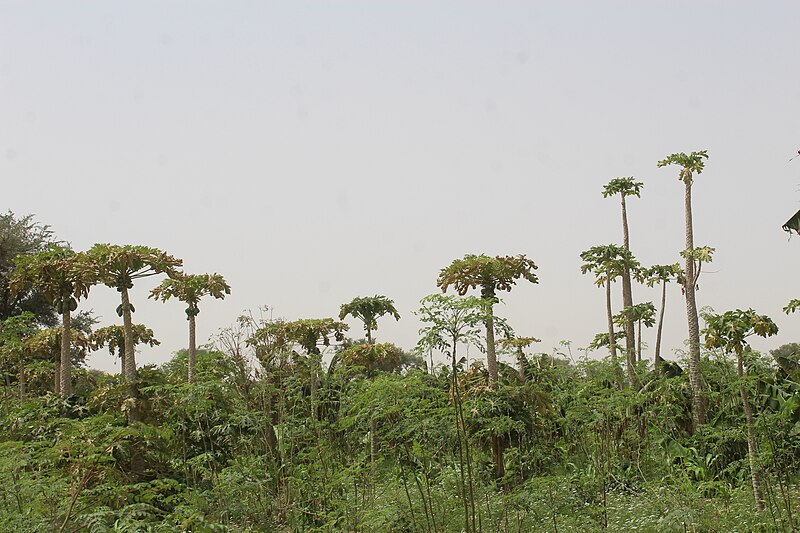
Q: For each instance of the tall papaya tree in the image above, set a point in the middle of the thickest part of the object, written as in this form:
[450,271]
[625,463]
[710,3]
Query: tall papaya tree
[63,277]
[661,274]
[490,274]
[607,263]
[369,309]
[189,289]
[729,331]
[48,343]
[625,187]
[638,315]
[690,165]
[119,266]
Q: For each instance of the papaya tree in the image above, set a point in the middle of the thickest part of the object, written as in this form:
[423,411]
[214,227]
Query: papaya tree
[729,331]
[369,309]
[691,165]
[639,314]
[518,345]
[625,187]
[490,274]
[662,274]
[113,338]
[189,289]
[607,263]
[310,334]
[118,267]
[48,344]
[63,277]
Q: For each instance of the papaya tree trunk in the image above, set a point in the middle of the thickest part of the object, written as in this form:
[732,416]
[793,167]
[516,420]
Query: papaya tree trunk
[129,360]
[627,301]
[22,379]
[491,354]
[752,449]
[65,364]
[639,342]
[698,405]
[192,350]
[612,341]
[57,379]
[313,386]
[657,357]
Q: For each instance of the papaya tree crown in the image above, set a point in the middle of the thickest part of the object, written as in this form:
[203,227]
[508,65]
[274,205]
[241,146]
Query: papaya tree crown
[489,273]
[690,164]
[623,186]
[117,266]
[730,330]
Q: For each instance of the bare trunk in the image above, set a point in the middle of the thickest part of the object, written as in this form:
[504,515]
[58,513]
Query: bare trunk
[639,343]
[521,365]
[65,374]
[698,406]
[57,380]
[752,450]
[192,350]
[657,357]
[129,359]
[313,385]
[627,301]
[612,341]
[491,354]
[369,336]
[468,495]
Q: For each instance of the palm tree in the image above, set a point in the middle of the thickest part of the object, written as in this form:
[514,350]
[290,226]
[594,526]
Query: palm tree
[729,331]
[608,262]
[690,165]
[190,288]
[662,274]
[64,277]
[625,187]
[118,266]
[369,309]
[491,274]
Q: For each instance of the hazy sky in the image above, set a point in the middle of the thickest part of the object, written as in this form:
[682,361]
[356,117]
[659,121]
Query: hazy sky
[315,151]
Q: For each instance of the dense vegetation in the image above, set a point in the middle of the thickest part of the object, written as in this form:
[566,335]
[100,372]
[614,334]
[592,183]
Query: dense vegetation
[279,425]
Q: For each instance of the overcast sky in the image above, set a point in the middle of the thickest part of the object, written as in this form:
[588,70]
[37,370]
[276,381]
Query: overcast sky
[315,151]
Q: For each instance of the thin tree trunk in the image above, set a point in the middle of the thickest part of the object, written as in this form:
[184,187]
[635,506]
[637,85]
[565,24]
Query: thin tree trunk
[22,380]
[627,301]
[639,343]
[612,341]
[192,349]
[65,374]
[752,450]
[57,380]
[491,354]
[461,445]
[313,385]
[698,405]
[657,357]
[369,336]
[129,360]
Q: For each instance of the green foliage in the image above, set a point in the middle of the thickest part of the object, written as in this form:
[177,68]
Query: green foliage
[607,262]
[190,288]
[113,338]
[369,309]
[491,274]
[690,164]
[623,186]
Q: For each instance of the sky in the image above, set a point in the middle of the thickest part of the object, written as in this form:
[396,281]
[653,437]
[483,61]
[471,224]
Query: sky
[311,151]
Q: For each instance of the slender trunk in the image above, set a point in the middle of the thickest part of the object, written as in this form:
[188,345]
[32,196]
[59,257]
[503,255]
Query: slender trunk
[369,336]
[627,301]
[752,450]
[192,349]
[65,374]
[129,359]
[491,354]
[639,342]
[612,341]
[313,385]
[698,405]
[521,364]
[657,357]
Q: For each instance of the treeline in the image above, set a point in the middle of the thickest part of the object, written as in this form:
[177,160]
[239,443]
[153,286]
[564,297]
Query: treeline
[291,425]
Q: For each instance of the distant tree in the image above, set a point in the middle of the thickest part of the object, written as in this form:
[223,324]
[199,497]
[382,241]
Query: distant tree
[690,165]
[625,187]
[518,345]
[63,277]
[643,313]
[372,357]
[21,236]
[729,331]
[662,274]
[607,263]
[118,267]
[369,309]
[190,288]
[491,274]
